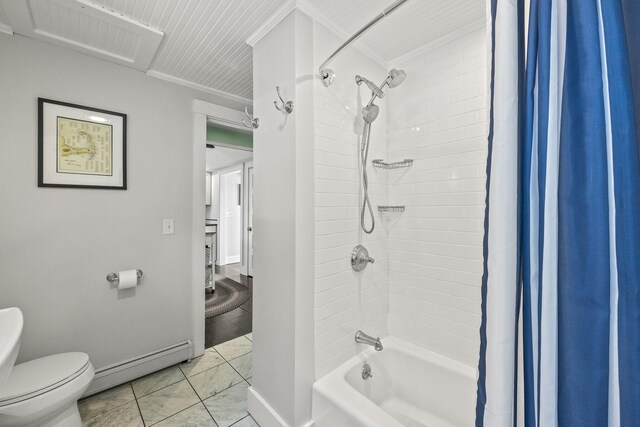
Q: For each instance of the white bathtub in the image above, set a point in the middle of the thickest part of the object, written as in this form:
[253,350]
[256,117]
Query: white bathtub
[410,387]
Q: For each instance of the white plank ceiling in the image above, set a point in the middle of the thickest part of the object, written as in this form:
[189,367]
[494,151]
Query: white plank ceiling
[203,41]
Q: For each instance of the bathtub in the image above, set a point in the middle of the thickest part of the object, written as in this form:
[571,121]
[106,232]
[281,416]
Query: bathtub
[410,387]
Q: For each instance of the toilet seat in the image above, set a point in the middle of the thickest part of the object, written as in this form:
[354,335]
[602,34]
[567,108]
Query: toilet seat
[30,379]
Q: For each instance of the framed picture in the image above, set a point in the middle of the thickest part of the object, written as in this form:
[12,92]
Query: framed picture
[81,147]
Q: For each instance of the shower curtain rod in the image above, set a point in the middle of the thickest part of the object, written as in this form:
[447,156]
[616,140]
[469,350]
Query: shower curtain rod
[327,74]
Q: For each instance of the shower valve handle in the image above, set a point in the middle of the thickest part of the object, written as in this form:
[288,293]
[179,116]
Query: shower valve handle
[360,258]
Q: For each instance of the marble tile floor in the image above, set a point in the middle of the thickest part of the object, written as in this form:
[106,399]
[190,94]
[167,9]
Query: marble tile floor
[211,390]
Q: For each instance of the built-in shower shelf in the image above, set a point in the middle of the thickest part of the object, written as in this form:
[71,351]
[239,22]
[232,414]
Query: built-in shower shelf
[379,163]
[382,209]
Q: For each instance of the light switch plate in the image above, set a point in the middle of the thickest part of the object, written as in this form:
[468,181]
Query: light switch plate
[167,226]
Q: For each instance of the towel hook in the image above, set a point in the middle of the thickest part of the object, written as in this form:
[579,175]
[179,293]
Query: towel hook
[286,106]
[253,123]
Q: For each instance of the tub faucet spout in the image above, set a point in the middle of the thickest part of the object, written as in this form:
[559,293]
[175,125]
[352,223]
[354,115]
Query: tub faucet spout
[363,338]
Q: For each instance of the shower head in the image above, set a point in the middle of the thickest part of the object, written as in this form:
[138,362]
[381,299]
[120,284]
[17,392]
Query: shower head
[395,78]
[374,89]
[370,113]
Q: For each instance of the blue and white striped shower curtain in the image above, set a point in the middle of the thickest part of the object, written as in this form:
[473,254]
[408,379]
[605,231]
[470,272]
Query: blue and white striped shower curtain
[560,335]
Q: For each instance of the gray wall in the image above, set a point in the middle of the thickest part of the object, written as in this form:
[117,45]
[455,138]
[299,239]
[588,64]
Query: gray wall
[57,245]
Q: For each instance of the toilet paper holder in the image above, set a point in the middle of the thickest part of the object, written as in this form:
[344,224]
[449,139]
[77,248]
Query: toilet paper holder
[113,277]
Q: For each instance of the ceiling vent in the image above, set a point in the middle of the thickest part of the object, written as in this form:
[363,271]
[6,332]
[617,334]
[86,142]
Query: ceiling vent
[87,28]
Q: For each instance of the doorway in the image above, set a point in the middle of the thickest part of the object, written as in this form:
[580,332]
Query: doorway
[230,218]
[228,312]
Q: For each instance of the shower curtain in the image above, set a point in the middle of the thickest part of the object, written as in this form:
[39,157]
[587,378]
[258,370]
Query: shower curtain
[560,334]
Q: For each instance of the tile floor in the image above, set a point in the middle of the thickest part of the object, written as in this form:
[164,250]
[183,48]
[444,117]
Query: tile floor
[211,390]
[238,321]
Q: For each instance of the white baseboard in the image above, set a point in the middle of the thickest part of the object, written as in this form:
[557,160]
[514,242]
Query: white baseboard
[264,414]
[136,367]
[232,259]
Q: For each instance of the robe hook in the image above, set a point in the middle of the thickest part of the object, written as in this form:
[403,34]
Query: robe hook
[253,122]
[286,106]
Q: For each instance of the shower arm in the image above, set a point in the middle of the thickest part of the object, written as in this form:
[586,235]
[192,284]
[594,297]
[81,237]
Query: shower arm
[327,74]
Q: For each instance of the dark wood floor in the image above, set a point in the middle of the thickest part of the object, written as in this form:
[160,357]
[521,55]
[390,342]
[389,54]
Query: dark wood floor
[234,323]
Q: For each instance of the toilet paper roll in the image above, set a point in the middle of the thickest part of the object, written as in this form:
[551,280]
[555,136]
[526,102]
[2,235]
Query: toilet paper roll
[128,279]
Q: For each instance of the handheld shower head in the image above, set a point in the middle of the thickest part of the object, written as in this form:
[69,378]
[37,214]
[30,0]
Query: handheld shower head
[370,112]
[395,78]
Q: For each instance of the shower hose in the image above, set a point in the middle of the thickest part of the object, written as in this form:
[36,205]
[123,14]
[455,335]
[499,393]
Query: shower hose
[366,203]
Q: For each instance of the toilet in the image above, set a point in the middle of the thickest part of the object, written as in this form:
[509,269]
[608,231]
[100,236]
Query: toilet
[44,392]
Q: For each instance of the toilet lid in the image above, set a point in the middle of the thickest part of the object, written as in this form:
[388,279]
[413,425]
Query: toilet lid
[38,376]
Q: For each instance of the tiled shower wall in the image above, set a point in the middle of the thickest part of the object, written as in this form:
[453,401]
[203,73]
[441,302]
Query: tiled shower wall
[425,284]
[346,301]
[438,118]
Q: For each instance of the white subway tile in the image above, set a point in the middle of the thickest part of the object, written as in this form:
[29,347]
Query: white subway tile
[425,284]
[435,248]
[476,103]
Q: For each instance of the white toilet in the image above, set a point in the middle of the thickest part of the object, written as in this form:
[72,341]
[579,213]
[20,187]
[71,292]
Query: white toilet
[45,392]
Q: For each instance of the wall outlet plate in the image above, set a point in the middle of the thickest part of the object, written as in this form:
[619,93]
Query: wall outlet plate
[167,226]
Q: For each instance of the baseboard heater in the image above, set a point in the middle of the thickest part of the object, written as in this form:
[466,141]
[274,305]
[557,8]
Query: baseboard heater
[136,367]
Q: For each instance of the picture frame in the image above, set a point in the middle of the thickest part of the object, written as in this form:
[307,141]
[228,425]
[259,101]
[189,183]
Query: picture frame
[81,147]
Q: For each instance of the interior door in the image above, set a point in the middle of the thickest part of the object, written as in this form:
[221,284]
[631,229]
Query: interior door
[250,223]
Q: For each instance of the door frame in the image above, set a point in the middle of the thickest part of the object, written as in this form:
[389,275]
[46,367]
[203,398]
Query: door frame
[222,237]
[203,113]
[248,208]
